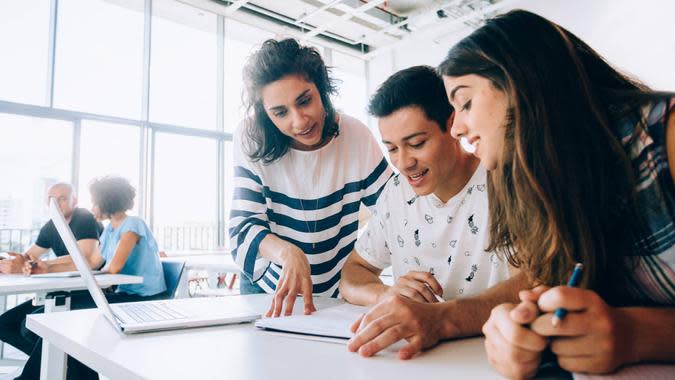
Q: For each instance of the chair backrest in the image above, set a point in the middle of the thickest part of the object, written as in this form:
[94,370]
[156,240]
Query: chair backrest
[172,272]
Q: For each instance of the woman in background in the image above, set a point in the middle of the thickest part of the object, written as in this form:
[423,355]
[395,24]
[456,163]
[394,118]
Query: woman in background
[127,247]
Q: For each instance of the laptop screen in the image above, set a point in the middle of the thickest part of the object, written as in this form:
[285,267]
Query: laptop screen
[80,262]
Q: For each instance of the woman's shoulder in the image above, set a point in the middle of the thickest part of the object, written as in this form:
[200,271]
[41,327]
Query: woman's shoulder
[351,125]
[135,224]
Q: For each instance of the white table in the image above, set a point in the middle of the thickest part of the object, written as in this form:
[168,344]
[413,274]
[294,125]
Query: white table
[18,284]
[220,261]
[242,351]
[214,262]
[42,286]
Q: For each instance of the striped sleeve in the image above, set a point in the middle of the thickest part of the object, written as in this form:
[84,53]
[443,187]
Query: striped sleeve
[249,222]
[375,181]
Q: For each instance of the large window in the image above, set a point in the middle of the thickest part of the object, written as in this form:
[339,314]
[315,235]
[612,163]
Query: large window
[99,57]
[183,76]
[184,196]
[108,149]
[352,98]
[36,153]
[90,88]
[240,42]
[23,66]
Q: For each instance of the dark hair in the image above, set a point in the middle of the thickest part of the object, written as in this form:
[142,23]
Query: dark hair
[275,60]
[563,191]
[112,194]
[417,86]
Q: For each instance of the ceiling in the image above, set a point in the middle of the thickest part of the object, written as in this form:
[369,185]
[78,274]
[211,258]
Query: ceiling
[370,26]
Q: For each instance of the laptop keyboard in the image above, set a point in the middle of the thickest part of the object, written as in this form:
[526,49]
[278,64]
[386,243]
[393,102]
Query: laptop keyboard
[151,312]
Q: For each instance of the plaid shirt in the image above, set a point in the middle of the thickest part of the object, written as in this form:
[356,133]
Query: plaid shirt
[645,143]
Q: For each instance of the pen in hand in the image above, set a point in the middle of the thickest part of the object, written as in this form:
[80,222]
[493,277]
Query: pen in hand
[438,298]
[560,312]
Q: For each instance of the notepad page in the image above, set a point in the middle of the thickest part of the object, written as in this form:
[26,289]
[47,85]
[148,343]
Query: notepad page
[332,322]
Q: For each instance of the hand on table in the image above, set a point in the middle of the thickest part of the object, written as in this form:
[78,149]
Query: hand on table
[593,337]
[295,279]
[419,286]
[513,349]
[394,318]
[13,265]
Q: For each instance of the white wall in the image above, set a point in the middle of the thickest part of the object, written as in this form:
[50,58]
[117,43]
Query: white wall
[636,36]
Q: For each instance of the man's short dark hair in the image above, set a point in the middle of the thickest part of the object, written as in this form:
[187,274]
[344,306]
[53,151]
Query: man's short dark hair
[417,86]
[112,194]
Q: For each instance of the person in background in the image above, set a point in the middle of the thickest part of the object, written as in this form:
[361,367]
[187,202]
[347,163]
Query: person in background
[302,170]
[430,224]
[86,231]
[127,247]
[580,160]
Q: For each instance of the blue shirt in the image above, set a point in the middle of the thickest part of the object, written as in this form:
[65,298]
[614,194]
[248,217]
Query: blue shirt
[143,259]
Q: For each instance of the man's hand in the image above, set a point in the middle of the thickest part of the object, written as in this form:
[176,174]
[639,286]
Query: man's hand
[34,267]
[395,318]
[13,265]
[419,286]
[294,279]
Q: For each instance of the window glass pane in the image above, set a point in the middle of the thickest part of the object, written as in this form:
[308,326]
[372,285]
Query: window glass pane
[35,154]
[108,149]
[229,181]
[24,37]
[352,98]
[185,213]
[241,41]
[183,76]
[99,57]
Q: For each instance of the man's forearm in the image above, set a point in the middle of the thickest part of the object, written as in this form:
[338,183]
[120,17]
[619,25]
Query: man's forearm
[60,264]
[466,316]
[360,286]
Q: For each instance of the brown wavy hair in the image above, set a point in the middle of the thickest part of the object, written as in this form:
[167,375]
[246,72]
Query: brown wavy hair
[272,62]
[563,191]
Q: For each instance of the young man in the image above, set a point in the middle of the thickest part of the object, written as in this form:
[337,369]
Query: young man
[85,229]
[430,224]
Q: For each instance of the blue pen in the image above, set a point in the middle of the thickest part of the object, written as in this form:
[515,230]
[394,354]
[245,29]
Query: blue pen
[560,312]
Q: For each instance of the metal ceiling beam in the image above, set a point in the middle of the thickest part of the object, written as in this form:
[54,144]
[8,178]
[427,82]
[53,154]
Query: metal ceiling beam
[443,26]
[235,6]
[369,5]
[318,10]
[408,20]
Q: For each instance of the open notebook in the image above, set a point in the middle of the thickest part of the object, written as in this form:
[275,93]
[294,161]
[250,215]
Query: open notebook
[332,322]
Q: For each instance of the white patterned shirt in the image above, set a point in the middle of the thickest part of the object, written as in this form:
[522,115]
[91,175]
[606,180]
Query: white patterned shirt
[421,233]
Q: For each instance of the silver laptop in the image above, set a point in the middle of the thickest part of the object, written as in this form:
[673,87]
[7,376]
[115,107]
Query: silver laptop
[146,316]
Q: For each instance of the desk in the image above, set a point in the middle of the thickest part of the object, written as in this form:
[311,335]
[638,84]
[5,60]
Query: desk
[242,351]
[18,284]
[41,286]
[214,263]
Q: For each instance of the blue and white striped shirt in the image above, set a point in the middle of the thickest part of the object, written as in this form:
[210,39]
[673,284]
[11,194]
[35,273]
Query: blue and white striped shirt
[644,140]
[308,198]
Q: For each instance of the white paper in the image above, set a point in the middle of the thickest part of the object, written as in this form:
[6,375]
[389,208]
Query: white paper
[332,322]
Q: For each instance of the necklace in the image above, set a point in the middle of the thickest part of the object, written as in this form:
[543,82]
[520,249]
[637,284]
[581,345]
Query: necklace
[315,207]
[304,214]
